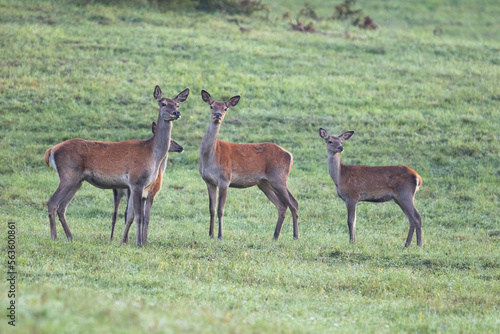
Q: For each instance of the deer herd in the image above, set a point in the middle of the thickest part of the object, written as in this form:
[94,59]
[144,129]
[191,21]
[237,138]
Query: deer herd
[135,168]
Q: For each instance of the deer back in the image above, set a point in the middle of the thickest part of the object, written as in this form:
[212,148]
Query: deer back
[262,158]
[376,183]
[104,164]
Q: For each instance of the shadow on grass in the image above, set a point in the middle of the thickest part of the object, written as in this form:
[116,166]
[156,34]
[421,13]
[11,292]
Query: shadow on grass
[411,261]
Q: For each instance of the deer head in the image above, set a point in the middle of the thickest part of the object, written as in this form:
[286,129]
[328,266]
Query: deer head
[333,143]
[218,109]
[169,108]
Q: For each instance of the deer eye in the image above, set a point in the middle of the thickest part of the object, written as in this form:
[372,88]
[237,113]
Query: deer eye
[330,142]
[163,104]
[225,109]
[211,107]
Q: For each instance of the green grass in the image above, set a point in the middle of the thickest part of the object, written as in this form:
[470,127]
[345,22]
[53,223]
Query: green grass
[431,102]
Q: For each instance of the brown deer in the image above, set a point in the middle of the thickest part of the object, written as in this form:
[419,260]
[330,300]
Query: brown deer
[356,183]
[224,165]
[149,193]
[131,164]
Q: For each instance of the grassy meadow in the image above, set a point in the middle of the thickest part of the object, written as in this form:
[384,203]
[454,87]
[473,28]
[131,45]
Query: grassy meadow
[422,90]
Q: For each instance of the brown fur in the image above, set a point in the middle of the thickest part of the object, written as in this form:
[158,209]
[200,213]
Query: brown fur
[131,164]
[251,160]
[149,192]
[372,183]
[356,183]
[224,165]
[46,156]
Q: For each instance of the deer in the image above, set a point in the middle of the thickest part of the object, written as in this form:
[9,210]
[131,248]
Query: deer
[223,165]
[131,164]
[356,183]
[149,193]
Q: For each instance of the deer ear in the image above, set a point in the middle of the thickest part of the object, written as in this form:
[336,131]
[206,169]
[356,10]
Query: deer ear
[153,127]
[182,96]
[232,102]
[157,93]
[322,133]
[346,135]
[206,97]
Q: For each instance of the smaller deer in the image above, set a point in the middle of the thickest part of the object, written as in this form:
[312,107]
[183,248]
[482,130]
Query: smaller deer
[149,193]
[223,165]
[356,183]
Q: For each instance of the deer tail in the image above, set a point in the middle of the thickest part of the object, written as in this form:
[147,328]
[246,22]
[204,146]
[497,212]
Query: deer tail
[49,159]
[47,156]
[419,182]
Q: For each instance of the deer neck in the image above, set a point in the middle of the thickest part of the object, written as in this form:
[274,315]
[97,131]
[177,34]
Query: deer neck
[161,140]
[209,142]
[163,165]
[334,167]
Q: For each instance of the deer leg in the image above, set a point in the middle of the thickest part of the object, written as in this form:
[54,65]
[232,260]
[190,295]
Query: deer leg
[52,206]
[284,195]
[127,193]
[417,223]
[61,211]
[410,233]
[117,196]
[418,226]
[295,214]
[129,218]
[351,219]
[138,214]
[292,199]
[64,188]
[147,214]
[220,209]
[273,197]
[212,197]
[406,204]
